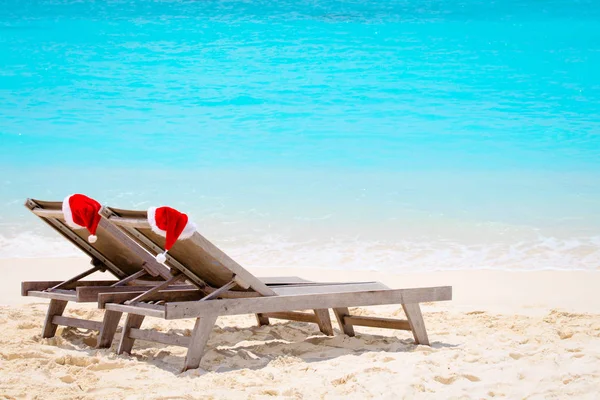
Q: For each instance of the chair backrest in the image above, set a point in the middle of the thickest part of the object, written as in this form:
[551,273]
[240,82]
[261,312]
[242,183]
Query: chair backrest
[201,261]
[116,251]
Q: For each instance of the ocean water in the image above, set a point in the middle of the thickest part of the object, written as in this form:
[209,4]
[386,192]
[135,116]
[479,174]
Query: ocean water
[393,135]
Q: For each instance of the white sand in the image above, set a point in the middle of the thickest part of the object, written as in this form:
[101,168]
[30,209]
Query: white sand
[505,334]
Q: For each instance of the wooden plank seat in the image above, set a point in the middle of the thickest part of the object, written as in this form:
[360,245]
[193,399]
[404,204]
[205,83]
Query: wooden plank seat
[224,287]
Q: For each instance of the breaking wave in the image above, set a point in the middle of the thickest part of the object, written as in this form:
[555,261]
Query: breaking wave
[353,254]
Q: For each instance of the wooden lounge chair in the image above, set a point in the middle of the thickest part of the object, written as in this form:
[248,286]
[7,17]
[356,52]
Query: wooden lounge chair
[116,253]
[136,271]
[223,287]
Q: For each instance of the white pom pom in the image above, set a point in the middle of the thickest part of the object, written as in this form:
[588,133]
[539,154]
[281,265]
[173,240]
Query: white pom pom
[161,258]
[92,238]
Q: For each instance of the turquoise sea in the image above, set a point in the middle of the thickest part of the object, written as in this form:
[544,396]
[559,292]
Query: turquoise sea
[394,135]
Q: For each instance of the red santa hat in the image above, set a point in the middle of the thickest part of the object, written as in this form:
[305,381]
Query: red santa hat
[81,211]
[171,224]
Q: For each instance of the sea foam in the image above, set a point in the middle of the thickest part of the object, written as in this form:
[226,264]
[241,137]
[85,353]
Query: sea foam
[345,253]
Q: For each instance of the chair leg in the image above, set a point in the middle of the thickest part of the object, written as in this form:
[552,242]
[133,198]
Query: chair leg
[56,307]
[262,320]
[126,343]
[324,321]
[110,324]
[200,335]
[417,325]
[340,313]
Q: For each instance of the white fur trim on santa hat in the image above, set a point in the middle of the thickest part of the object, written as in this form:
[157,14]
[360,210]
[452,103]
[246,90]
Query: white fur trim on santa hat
[152,222]
[68,214]
[187,232]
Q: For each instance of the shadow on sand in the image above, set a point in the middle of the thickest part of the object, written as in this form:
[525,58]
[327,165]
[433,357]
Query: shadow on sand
[233,348]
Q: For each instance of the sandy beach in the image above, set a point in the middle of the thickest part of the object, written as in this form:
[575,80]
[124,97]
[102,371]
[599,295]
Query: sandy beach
[414,143]
[505,334]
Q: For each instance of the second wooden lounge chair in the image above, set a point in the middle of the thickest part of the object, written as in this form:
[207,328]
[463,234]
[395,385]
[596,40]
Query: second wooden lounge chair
[223,287]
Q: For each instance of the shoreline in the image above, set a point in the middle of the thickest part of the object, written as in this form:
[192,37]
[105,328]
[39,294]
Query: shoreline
[490,290]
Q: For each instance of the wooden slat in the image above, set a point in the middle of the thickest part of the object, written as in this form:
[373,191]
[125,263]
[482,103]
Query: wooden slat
[174,293]
[282,280]
[134,223]
[165,295]
[48,213]
[77,323]
[36,286]
[139,309]
[292,316]
[376,322]
[231,294]
[91,283]
[305,284]
[54,295]
[90,293]
[43,285]
[159,337]
[336,288]
[60,291]
[193,309]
